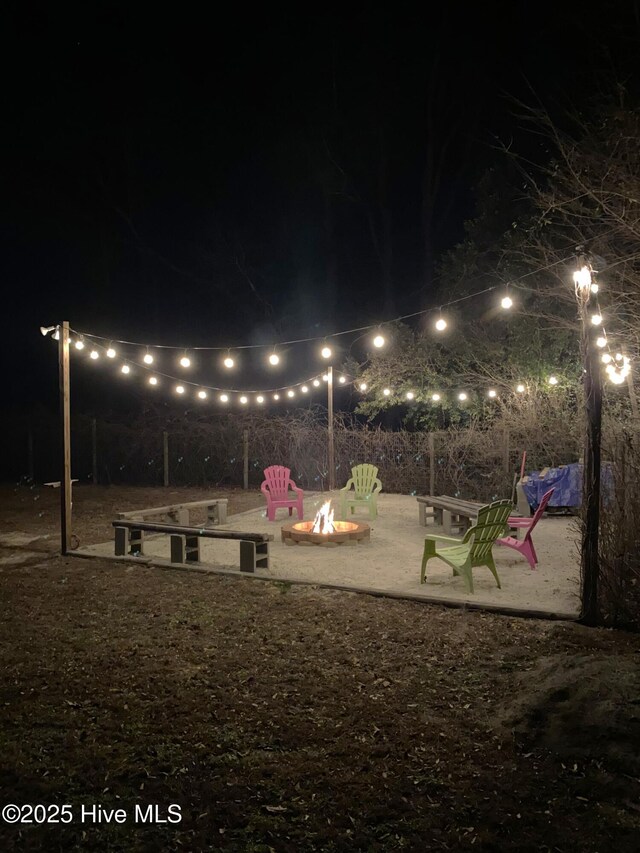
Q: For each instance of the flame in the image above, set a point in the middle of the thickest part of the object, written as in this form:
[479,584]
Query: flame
[323,522]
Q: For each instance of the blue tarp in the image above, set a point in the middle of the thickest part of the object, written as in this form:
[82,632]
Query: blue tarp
[566,483]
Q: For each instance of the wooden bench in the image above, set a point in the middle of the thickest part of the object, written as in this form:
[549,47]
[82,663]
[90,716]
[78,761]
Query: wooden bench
[216,509]
[185,542]
[447,511]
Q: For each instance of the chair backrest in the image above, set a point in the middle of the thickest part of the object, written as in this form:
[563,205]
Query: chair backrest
[278,478]
[537,515]
[491,524]
[364,478]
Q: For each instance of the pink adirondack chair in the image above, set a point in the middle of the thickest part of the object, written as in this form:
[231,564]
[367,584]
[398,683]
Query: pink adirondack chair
[525,546]
[275,488]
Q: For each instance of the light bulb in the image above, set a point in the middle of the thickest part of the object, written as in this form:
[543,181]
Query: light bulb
[111,353]
[125,368]
[259,399]
[363,386]
[153,380]
[601,342]
[202,395]
[386,392]
[291,393]
[185,361]
[228,362]
[410,395]
[618,356]
[342,380]
[553,380]
[378,341]
[441,324]
[520,388]
[94,354]
[243,400]
[506,302]
[325,352]
[179,389]
[224,398]
[316,383]
[274,359]
[79,344]
[148,359]
[594,288]
[56,334]
[582,277]
[596,319]
[462,396]
[606,358]
[44,330]
[325,377]
[276,396]
[435,397]
[492,393]
[304,389]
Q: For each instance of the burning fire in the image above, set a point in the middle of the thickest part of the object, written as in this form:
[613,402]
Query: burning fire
[323,522]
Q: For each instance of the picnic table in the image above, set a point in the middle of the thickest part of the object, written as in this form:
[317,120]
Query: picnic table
[454,514]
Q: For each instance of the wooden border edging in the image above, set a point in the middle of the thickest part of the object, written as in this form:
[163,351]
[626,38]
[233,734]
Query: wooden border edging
[500,610]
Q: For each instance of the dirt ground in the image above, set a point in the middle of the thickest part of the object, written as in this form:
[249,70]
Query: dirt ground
[285,718]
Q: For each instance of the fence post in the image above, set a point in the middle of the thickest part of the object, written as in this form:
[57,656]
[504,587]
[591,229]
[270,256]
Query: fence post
[94,451]
[245,452]
[165,454]
[505,451]
[432,463]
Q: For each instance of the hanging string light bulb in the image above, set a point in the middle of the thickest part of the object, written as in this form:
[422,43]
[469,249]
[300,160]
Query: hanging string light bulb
[601,342]
[386,392]
[179,389]
[436,398]
[326,351]
[111,353]
[148,358]
[492,393]
[363,386]
[462,396]
[125,369]
[596,319]
[228,361]
[94,354]
[259,399]
[506,302]
[274,359]
[244,400]
[153,380]
[553,380]
[202,395]
[441,323]
[224,398]
[185,361]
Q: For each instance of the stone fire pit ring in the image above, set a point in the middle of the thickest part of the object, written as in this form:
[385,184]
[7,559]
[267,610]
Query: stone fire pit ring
[345,533]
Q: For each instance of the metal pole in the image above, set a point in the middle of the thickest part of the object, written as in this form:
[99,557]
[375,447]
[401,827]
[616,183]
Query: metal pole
[432,463]
[65,430]
[165,457]
[330,437]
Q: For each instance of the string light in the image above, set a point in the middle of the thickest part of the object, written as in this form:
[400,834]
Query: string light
[378,341]
[606,358]
[520,388]
[259,399]
[153,380]
[601,342]
[618,373]
[276,396]
[410,395]
[596,319]
[363,386]
[125,369]
[274,359]
[342,380]
[79,344]
[326,352]
[244,400]
[506,302]
[202,395]
[185,361]
[111,353]
[491,393]
[179,389]
[441,324]
[316,383]
[304,389]
[94,354]
[553,380]
[228,361]
[325,377]
[148,358]
[435,398]
[291,393]
[387,392]
[224,398]
[582,278]
[462,396]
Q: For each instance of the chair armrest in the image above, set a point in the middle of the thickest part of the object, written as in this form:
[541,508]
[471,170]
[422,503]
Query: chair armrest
[264,487]
[377,487]
[453,539]
[348,486]
[295,488]
[518,522]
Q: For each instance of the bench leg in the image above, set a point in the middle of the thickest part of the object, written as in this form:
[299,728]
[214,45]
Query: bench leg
[185,548]
[253,555]
[446,521]
[136,539]
[122,540]
[438,516]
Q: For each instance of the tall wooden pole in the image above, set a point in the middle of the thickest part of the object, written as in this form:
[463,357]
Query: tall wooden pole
[94,451]
[330,437]
[65,425]
[245,459]
[165,458]
[590,566]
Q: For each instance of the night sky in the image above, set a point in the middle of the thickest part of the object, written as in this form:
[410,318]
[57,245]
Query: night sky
[258,175]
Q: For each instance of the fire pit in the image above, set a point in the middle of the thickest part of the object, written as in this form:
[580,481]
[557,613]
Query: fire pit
[323,530]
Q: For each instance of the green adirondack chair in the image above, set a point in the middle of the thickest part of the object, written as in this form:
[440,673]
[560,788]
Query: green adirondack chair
[464,555]
[366,485]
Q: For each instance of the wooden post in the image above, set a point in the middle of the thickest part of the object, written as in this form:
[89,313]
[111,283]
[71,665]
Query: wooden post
[65,435]
[589,562]
[590,565]
[331,446]
[94,451]
[165,456]
[245,458]
[432,463]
